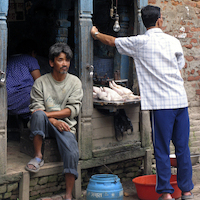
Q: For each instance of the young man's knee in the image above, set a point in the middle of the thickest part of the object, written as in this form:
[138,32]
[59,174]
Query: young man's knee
[38,113]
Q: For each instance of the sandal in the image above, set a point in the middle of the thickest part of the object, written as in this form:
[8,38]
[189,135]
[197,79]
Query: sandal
[185,197]
[37,164]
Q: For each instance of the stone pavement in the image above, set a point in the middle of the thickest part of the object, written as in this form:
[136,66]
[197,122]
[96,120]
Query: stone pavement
[129,192]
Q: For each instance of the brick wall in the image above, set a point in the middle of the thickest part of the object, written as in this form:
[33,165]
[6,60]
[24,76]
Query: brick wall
[182,20]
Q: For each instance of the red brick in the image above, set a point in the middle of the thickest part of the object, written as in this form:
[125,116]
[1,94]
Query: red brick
[152,1]
[164,8]
[183,22]
[175,3]
[187,29]
[185,65]
[189,3]
[193,40]
[190,35]
[189,58]
[190,23]
[188,46]
[195,29]
[193,78]
[198,4]
[198,92]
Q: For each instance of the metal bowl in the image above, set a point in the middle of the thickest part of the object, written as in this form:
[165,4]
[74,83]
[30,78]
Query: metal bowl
[194,159]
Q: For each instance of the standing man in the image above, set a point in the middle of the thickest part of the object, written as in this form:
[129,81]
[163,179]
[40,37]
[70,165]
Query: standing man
[55,102]
[159,58]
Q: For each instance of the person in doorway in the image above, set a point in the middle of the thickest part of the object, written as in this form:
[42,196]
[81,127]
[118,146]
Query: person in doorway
[158,59]
[22,70]
[55,102]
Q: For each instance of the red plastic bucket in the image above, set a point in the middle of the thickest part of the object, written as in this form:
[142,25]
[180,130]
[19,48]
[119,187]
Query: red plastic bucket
[145,186]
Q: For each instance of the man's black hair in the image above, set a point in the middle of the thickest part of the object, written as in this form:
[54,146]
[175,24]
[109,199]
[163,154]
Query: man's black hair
[58,48]
[150,15]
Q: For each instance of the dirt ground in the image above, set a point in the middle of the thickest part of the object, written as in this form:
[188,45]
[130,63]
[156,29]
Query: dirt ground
[130,192]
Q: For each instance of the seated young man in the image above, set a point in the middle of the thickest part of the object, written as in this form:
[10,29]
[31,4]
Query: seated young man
[55,102]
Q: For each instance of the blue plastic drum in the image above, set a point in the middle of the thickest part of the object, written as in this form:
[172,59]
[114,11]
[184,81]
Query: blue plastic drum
[104,187]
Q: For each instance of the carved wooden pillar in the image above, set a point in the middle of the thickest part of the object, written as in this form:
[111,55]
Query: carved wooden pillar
[3,97]
[85,8]
[62,23]
[140,4]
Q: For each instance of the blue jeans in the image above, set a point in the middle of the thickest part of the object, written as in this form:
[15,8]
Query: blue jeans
[67,144]
[171,124]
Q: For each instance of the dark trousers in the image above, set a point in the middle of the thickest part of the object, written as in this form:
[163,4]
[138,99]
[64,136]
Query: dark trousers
[67,144]
[171,124]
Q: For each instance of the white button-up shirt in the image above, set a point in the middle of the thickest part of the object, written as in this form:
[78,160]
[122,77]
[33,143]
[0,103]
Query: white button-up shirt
[158,59]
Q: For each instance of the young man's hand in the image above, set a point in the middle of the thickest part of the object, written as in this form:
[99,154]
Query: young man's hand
[60,125]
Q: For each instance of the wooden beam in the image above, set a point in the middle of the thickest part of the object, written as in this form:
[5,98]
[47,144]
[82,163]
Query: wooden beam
[118,157]
[77,186]
[24,186]
[117,149]
[147,162]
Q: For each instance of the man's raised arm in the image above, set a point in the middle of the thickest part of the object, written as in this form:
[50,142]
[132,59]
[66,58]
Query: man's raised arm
[105,39]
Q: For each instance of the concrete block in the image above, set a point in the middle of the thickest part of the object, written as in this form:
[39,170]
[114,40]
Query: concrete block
[43,180]
[33,181]
[2,189]
[53,178]
[12,187]
[52,184]
[7,195]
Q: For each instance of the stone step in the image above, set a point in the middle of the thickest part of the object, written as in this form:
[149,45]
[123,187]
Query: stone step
[196,174]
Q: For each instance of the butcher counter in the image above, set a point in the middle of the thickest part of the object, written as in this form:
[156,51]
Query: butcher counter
[113,106]
[104,144]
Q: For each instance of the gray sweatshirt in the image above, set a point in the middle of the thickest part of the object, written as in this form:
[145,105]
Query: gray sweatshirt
[51,95]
